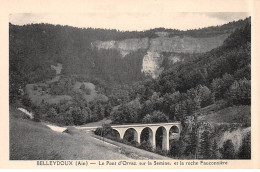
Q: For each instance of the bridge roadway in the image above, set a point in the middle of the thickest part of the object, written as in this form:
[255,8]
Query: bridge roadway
[169,131]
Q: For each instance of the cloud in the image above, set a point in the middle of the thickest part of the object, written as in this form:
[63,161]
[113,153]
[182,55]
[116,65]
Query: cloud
[228,16]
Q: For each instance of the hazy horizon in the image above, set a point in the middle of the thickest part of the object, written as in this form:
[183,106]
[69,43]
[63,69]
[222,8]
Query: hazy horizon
[131,21]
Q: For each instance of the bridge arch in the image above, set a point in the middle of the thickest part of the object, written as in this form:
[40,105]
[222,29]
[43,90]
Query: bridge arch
[115,134]
[147,135]
[174,129]
[131,135]
[161,137]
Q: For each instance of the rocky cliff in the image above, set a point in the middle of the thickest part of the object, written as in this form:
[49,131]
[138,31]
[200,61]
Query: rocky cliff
[163,43]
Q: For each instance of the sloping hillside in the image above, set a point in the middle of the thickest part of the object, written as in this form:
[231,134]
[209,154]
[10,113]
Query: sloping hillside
[31,140]
[34,48]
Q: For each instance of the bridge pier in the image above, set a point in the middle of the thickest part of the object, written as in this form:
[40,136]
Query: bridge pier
[152,128]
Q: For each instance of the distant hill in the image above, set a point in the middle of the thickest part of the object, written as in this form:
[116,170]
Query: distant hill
[34,48]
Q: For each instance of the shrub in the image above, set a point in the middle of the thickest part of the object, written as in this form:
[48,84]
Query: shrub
[228,151]
[26,101]
[146,145]
[104,131]
[98,131]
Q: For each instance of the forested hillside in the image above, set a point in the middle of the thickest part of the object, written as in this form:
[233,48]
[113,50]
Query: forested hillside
[221,74]
[33,48]
[181,90]
[209,94]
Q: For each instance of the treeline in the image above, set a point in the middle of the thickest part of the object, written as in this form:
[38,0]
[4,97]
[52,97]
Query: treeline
[212,30]
[75,112]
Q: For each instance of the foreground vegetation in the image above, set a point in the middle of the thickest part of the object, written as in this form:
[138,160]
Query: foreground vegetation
[30,140]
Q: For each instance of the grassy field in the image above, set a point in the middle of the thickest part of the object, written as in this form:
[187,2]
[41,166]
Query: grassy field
[30,140]
[234,114]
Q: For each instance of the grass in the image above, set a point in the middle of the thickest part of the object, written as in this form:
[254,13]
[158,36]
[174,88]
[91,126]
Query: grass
[234,114]
[31,140]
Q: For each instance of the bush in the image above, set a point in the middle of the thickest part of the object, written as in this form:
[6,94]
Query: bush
[146,145]
[104,131]
[26,101]
[134,143]
[36,117]
[161,152]
[98,131]
[72,131]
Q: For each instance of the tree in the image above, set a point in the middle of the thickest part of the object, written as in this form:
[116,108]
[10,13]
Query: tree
[177,148]
[240,92]
[245,149]
[79,117]
[214,150]
[192,142]
[86,114]
[205,96]
[205,145]
[228,151]
[147,119]
[52,112]
[156,117]
[108,109]
[220,86]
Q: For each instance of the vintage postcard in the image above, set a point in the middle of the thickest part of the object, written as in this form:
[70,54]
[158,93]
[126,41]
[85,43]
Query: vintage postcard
[129,84]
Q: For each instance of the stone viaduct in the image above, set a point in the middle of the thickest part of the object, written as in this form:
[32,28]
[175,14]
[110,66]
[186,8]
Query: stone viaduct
[153,132]
[168,131]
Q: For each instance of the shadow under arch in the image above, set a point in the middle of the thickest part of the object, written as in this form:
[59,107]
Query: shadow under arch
[115,134]
[174,135]
[147,135]
[161,138]
[131,135]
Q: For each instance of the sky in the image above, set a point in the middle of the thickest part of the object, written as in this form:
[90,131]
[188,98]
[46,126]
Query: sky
[131,21]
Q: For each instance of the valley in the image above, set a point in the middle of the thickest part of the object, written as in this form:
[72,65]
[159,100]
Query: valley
[76,78]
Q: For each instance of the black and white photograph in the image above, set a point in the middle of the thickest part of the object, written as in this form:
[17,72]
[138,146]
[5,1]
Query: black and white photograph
[178,89]
[129,84]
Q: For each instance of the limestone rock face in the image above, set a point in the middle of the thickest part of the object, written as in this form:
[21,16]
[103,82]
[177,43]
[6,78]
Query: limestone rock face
[151,64]
[125,46]
[163,43]
[186,44]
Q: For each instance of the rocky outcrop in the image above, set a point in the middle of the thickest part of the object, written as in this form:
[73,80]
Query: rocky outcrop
[163,43]
[152,64]
[125,46]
